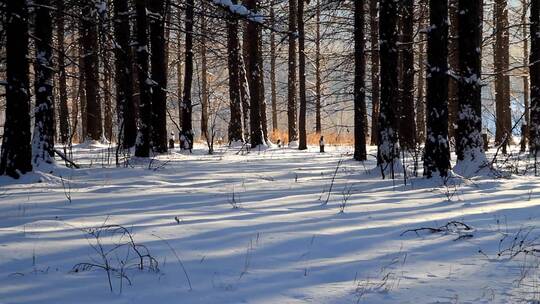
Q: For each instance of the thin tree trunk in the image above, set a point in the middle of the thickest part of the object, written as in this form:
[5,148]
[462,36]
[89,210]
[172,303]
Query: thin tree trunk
[420,100]
[273,57]
[534,73]
[453,60]
[236,129]
[375,86]
[302,77]
[186,136]
[526,90]
[204,80]
[16,156]
[291,91]
[407,121]
[360,126]
[502,80]
[62,75]
[318,122]
[437,151]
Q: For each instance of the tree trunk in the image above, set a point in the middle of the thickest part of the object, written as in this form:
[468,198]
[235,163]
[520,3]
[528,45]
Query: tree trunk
[273,57]
[453,60]
[526,90]
[437,151]
[388,149]
[469,142]
[407,115]
[318,123]
[502,80]
[186,136]
[16,156]
[534,74]
[360,126]
[179,69]
[375,86]
[94,122]
[291,99]
[236,129]
[62,75]
[159,75]
[127,122]
[143,145]
[255,76]
[204,80]
[262,97]
[302,77]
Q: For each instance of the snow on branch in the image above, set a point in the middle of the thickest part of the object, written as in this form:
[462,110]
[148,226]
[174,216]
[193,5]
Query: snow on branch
[239,10]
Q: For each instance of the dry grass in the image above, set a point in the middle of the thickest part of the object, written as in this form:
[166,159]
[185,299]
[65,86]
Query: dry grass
[313,138]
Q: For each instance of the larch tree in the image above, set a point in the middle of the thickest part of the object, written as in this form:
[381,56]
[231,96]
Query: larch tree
[437,148]
[469,143]
[360,126]
[143,143]
[388,148]
[16,151]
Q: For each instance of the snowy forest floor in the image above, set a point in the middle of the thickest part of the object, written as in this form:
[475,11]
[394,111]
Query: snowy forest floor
[255,229]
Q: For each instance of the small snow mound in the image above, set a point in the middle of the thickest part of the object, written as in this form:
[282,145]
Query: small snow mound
[294,144]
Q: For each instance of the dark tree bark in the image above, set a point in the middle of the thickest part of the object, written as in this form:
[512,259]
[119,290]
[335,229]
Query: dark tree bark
[82,91]
[159,75]
[255,76]
[388,149]
[186,134]
[318,123]
[453,60]
[360,126]
[262,97]
[236,129]
[291,89]
[62,75]
[143,145]
[204,79]
[180,60]
[375,86]
[407,126]
[43,140]
[127,122]
[94,123]
[534,72]
[526,89]
[501,61]
[469,142]
[16,156]
[437,150]
[302,77]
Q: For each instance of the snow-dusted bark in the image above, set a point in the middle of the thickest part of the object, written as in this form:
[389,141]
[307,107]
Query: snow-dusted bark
[142,144]
[437,149]
[360,127]
[127,122]
[159,74]
[43,137]
[388,148]
[16,154]
[469,144]
[534,71]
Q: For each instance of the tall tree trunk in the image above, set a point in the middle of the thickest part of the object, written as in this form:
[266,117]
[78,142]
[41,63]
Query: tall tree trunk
[437,150]
[502,80]
[82,90]
[534,74]
[375,86]
[407,125]
[360,126]
[62,75]
[291,99]
[180,60]
[94,123]
[43,140]
[388,148]
[302,77]
[204,79]
[16,156]
[244,89]
[273,56]
[127,122]
[469,142]
[453,60]
[159,75]
[526,90]
[186,136]
[143,144]
[318,123]
[236,129]
[255,76]
[262,97]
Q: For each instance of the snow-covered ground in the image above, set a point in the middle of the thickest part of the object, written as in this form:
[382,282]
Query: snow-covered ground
[257,229]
